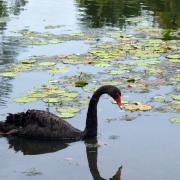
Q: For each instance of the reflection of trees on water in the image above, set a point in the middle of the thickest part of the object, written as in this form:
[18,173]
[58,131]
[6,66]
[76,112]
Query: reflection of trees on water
[15,6]
[5,89]
[3,13]
[8,45]
[168,12]
[97,13]
[108,12]
[8,7]
[35,147]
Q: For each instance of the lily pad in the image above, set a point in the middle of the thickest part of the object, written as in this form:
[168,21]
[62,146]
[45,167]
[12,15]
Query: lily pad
[47,63]
[132,80]
[25,99]
[53,81]
[52,100]
[174,56]
[154,71]
[66,115]
[136,107]
[68,109]
[28,61]
[81,83]
[57,70]
[159,98]
[84,101]
[39,42]
[175,120]
[71,94]
[176,78]
[175,97]
[8,74]
[37,94]
[143,55]
[145,63]
[102,64]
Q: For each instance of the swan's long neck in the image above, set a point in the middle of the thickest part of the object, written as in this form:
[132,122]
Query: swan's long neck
[91,120]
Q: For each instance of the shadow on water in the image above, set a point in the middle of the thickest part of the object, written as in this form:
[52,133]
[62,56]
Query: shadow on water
[36,147]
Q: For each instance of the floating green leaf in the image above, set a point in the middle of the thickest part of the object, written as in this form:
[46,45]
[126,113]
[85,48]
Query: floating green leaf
[47,63]
[176,78]
[136,107]
[53,81]
[131,80]
[144,55]
[145,63]
[8,74]
[57,70]
[175,120]
[68,109]
[66,115]
[159,98]
[37,94]
[154,71]
[175,97]
[28,61]
[52,100]
[174,56]
[67,112]
[84,101]
[81,83]
[70,94]
[174,60]
[25,99]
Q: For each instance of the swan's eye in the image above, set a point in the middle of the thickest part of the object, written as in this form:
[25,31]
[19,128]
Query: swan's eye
[118,101]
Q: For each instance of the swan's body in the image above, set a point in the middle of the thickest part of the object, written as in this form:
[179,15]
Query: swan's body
[45,125]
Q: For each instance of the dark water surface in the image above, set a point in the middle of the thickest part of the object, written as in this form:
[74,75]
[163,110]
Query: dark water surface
[147,147]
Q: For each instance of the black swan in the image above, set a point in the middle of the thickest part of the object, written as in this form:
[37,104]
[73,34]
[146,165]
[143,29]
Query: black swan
[44,125]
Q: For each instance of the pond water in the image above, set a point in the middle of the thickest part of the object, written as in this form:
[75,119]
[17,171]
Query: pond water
[46,47]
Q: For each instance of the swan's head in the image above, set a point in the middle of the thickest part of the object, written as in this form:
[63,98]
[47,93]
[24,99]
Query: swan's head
[115,93]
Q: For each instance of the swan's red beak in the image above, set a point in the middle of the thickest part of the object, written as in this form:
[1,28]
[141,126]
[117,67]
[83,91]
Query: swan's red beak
[118,101]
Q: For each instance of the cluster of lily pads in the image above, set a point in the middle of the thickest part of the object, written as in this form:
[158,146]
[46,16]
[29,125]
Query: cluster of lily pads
[36,38]
[135,64]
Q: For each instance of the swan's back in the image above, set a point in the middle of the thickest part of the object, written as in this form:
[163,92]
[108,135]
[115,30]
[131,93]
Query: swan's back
[40,124]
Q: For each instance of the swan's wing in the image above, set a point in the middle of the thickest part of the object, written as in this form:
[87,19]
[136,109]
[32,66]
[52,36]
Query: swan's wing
[42,124]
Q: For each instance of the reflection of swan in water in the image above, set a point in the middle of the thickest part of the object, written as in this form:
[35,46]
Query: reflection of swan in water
[92,154]
[34,147]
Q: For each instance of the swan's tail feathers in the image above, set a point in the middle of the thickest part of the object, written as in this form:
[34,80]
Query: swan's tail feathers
[12,123]
[7,130]
[15,119]
[2,128]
